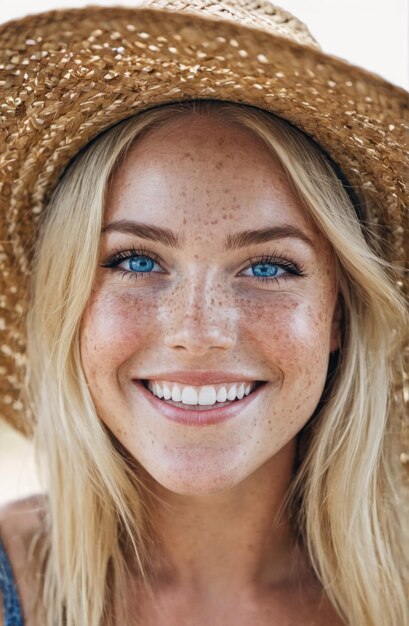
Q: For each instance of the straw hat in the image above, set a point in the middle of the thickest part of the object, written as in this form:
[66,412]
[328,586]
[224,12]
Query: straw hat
[68,75]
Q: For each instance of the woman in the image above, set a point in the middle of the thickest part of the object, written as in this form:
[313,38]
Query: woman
[214,323]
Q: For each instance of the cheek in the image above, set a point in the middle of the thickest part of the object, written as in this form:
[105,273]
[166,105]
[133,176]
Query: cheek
[115,325]
[294,335]
[291,336]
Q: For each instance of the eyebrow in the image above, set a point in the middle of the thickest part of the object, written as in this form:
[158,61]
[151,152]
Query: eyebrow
[233,241]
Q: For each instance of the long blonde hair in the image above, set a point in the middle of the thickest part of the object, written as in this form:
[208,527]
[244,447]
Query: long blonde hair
[346,499]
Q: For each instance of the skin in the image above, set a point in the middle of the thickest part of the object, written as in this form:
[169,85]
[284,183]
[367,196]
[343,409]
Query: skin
[221,549]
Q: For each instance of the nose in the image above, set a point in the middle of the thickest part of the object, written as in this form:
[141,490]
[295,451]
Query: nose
[202,321]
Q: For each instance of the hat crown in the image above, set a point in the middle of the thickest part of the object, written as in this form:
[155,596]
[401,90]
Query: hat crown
[260,14]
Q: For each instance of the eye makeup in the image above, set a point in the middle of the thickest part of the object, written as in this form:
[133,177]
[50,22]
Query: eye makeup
[282,268]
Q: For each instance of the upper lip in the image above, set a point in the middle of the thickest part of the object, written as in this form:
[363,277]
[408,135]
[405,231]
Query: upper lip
[201,377]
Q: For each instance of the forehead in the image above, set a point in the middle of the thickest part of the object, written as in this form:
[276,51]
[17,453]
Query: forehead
[196,170]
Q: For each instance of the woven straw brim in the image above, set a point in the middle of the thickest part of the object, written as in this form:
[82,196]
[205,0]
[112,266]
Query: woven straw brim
[66,76]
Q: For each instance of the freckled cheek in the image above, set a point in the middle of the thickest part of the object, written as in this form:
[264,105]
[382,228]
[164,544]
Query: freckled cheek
[115,326]
[291,334]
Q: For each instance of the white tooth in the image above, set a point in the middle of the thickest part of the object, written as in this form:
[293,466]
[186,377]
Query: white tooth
[149,384]
[176,393]
[207,395]
[167,393]
[231,394]
[240,391]
[247,389]
[221,395]
[159,391]
[189,395]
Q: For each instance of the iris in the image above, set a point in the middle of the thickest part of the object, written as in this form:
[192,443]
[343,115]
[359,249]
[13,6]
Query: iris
[141,264]
[265,269]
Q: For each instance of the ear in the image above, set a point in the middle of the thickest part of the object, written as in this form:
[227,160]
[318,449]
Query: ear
[336,326]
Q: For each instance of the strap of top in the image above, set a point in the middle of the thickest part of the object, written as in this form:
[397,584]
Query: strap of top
[11,603]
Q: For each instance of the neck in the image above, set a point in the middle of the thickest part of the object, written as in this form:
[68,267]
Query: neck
[228,540]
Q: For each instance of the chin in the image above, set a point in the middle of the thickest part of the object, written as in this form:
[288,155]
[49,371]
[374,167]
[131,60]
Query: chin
[194,478]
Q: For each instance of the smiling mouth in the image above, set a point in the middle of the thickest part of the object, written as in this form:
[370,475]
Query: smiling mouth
[194,405]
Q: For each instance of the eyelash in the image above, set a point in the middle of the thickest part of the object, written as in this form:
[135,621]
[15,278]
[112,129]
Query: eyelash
[293,269]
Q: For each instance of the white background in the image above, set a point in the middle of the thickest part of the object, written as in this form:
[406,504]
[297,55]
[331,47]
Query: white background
[371,33]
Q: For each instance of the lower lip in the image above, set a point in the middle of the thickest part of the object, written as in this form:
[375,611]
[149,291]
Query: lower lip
[190,417]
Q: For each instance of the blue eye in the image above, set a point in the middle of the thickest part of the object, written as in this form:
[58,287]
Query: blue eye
[133,263]
[272,268]
[141,264]
[267,270]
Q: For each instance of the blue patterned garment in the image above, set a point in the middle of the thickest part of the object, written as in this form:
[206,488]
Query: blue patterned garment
[11,603]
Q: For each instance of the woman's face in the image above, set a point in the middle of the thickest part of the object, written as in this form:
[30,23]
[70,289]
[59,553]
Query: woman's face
[206,304]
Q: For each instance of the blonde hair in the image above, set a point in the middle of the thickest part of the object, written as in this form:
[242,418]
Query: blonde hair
[346,499]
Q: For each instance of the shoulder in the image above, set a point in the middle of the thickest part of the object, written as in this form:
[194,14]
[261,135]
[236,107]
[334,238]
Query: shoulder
[21,522]
[26,513]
